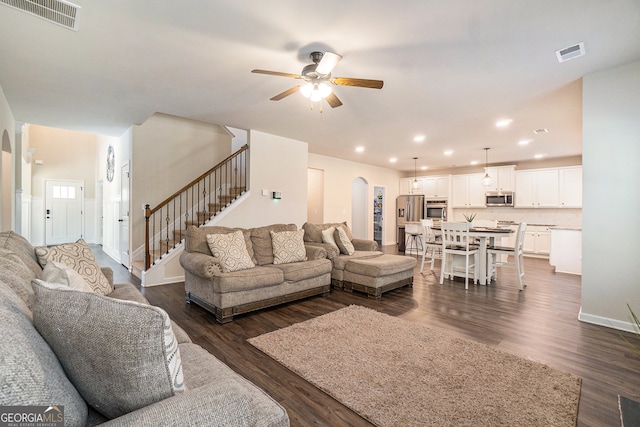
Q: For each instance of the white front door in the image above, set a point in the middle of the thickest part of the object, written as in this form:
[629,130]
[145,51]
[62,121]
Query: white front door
[64,205]
[124,215]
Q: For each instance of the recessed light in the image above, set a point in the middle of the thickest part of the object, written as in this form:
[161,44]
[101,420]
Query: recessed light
[359,149]
[541,130]
[538,156]
[524,141]
[448,152]
[393,159]
[423,168]
[474,162]
[503,123]
[419,138]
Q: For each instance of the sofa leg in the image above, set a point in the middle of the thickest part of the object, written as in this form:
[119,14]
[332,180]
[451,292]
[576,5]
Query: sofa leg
[187,296]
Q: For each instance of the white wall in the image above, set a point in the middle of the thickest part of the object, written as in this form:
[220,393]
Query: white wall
[7,127]
[611,200]
[275,164]
[339,175]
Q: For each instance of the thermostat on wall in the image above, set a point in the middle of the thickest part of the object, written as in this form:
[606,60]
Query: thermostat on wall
[276,195]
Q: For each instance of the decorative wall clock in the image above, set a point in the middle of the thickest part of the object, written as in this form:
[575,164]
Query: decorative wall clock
[111,163]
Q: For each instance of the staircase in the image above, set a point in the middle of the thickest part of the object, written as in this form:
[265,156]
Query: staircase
[194,204]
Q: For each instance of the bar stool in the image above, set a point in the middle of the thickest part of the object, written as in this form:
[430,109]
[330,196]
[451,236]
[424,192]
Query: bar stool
[415,238]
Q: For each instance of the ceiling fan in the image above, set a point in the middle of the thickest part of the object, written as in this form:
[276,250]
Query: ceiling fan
[318,79]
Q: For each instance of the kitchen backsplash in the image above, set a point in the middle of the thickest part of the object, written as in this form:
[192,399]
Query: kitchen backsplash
[558,217]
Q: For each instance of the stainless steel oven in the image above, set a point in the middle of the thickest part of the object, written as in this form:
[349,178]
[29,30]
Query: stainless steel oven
[436,210]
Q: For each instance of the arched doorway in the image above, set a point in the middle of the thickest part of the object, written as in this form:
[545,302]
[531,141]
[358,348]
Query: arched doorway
[360,208]
[7,196]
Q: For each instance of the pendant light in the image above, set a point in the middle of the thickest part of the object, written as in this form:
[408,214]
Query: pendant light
[415,183]
[486,179]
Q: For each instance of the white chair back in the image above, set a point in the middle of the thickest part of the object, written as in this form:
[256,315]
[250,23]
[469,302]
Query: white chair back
[455,234]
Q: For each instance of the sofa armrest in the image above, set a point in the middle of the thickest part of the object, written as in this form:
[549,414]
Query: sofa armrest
[365,245]
[315,252]
[330,250]
[201,265]
[196,407]
[108,273]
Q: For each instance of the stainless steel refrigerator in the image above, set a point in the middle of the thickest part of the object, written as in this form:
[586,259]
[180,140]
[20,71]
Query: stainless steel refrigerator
[408,209]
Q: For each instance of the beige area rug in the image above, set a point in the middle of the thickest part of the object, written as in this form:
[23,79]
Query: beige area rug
[397,373]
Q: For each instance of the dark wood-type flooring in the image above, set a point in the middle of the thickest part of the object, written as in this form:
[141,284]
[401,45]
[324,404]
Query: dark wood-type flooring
[539,323]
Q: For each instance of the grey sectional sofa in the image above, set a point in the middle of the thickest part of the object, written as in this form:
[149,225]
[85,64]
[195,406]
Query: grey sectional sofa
[226,294]
[99,359]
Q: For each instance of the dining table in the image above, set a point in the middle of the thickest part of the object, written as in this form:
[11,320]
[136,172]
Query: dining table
[486,236]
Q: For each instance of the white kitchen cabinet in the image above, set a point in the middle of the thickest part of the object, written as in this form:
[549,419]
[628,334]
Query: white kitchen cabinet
[406,186]
[467,191]
[570,187]
[537,240]
[504,178]
[537,189]
[566,250]
[436,186]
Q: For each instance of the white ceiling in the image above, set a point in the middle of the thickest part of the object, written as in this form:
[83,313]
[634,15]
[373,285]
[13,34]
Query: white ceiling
[450,70]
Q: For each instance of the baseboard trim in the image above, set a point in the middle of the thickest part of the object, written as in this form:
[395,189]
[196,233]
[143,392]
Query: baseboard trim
[607,322]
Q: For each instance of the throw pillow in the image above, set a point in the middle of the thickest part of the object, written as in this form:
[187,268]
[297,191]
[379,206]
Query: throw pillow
[288,246]
[327,236]
[231,250]
[79,257]
[120,355]
[345,245]
[56,272]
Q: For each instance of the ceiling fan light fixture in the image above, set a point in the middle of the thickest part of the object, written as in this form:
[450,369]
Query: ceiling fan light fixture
[315,91]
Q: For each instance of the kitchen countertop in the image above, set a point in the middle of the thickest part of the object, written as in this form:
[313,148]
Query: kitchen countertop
[567,228]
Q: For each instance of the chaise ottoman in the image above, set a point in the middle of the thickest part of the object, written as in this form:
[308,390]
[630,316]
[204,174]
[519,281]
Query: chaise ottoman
[377,275]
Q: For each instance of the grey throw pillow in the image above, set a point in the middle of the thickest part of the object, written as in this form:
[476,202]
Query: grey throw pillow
[120,355]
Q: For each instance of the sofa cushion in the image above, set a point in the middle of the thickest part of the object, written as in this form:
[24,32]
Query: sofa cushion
[231,251]
[78,256]
[327,237]
[57,272]
[297,271]
[341,261]
[288,246]
[261,241]
[257,277]
[196,240]
[343,242]
[120,355]
[15,273]
[31,373]
[313,232]
[17,244]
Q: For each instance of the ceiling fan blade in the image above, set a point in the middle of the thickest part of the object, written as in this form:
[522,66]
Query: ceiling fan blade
[327,63]
[287,92]
[276,73]
[347,81]
[333,100]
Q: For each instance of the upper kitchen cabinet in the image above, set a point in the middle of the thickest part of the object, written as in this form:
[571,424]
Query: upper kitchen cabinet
[406,186]
[467,191]
[570,187]
[504,178]
[537,189]
[436,186]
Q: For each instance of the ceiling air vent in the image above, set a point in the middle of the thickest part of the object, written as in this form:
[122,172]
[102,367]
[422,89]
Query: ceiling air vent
[57,11]
[570,52]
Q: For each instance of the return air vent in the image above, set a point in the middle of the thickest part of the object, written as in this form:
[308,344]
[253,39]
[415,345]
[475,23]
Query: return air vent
[570,52]
[56,11]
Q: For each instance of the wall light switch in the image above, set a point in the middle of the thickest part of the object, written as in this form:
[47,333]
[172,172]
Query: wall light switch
[265,192]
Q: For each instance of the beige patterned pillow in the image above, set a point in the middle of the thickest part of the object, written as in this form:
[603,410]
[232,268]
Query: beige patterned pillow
[231,250]
[288,246]
[56,272]
[120,355]
[343,242]
[78,256]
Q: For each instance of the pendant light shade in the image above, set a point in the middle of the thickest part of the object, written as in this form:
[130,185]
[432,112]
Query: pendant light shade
[415,184]
[486,179]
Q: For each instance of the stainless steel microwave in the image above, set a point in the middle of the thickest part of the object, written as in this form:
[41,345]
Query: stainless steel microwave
[499,198]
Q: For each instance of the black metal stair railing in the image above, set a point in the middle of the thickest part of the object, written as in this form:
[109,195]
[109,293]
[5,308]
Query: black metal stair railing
[194,204]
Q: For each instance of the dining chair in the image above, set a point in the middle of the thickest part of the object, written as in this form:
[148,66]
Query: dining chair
[517,252]
[456,241]
[414,235]
[430,243]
